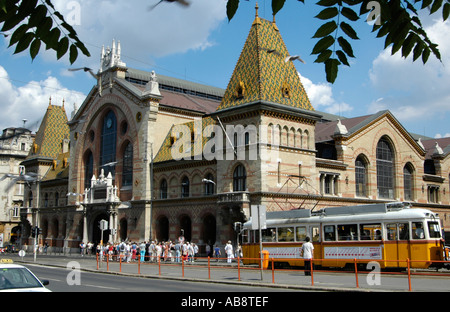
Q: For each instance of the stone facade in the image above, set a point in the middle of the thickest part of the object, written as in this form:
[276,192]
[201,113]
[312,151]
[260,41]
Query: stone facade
[159,158]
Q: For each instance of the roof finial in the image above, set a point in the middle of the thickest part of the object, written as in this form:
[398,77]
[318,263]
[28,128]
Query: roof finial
[257,20]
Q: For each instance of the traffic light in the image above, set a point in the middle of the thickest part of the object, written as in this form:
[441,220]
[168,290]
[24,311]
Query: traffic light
[38,231]
[238,227]
[33,232]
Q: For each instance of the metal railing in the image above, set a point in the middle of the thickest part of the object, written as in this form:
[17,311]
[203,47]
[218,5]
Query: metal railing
[119,262]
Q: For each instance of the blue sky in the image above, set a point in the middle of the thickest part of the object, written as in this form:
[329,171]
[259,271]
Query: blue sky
[199,44]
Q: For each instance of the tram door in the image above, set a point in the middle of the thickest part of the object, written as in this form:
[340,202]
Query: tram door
[397,246]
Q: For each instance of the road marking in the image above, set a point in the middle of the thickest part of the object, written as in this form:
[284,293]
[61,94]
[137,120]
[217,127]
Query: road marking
[105,287]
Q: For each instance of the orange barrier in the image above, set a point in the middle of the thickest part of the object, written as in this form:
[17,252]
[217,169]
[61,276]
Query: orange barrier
[240,266]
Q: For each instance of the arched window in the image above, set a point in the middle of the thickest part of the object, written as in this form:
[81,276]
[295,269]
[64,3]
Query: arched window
[108,143]
[185,187]
[88,170]
[408,182]
[239,179]
[163,189]
[127,171]
[209,184]
[385,169]
[360,176]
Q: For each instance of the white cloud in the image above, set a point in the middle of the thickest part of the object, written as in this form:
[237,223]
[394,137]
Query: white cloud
[321,97]
[167,29]
[414,92]
[31,100]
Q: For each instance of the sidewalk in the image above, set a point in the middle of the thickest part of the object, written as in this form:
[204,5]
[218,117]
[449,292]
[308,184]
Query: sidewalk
[216,272]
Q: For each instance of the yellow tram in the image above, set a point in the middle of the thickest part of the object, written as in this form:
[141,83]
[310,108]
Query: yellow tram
[388,233]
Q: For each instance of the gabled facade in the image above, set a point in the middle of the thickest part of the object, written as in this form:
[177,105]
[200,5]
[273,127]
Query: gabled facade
[159,157]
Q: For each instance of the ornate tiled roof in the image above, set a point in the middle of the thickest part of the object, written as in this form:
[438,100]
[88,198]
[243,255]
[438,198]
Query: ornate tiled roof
[262,72]
[174,143]
[52,131]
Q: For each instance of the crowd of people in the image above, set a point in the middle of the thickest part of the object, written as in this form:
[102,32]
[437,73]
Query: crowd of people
[154,251]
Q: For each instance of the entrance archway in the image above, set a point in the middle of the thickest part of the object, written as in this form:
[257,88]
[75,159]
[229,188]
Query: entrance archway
[96,232]
[162,229]
[209,229]
[186,227]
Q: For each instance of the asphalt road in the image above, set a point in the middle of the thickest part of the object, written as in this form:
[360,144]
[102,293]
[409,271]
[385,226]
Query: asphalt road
[64,280]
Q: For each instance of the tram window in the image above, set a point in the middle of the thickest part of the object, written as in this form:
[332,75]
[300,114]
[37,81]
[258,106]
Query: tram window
[330,234]
[417,230]
[347,232]
[315,234]
[370,231]
[269,235]
[433,229]
[391,231]
[286,234]
[300,233]
[246,236]
[403,231]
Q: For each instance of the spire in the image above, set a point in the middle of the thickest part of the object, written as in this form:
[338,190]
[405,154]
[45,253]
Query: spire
[263,72]
[257,21]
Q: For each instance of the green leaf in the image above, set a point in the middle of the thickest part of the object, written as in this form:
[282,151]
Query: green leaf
[426,3]
[37,16]
[34,48]
[73,53]
[323,44]
[348,30]
[325,29]
[408,45]
[63,45]
[327,13]
[425,55]
[325,55]
[277,5]
[24,42]
[446,11]
[350,14]
[342,57]
[346,46]
[418,50]
[327,3]
[11,21]
[331,69]
[437,4]
[18,34]
[232,6]
[52,39]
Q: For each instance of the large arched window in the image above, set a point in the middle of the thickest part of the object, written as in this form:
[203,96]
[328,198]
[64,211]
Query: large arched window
[360,176]
[127,169]
[88,169]
[185,187]
[108,143]
[385,169]
[239,179]
[163,189]
[408,182]
[209,184]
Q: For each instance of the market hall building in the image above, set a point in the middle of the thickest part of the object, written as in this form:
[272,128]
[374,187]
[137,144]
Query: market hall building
[159,157]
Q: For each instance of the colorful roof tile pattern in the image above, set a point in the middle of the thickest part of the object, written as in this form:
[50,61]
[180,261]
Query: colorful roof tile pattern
[197,132]
[262,72]
[52,131]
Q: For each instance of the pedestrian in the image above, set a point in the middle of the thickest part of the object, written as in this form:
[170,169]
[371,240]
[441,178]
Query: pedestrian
[177,251]
[208,250]
[82,247]
[307,253]
[217,253]
[229,252]
[142,251]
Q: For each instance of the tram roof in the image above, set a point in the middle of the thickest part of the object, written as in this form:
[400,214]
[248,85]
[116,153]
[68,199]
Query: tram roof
[364,213]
